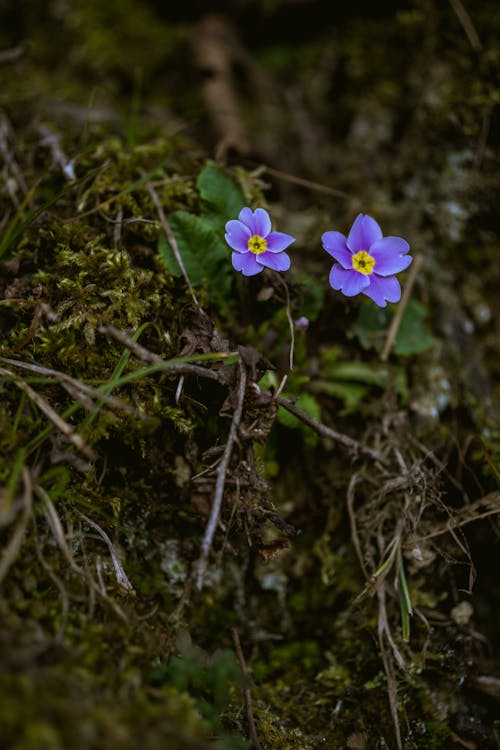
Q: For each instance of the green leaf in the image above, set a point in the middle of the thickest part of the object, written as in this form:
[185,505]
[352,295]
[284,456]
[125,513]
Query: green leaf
[167,255]
[362,372]
[203,251]
[411,337]
[372,325]
[222,194]
[312,296]
[351,394]
[307,403]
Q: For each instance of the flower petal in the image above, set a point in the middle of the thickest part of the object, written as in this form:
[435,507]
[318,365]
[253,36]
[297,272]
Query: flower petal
[348,281]
[364,232]
[278,241]
[237,236]
[382,289]
[261,222]
[335,244]
[246,263]
[388,263]
[391,246]
[276,261]
[246,216]
[257,221]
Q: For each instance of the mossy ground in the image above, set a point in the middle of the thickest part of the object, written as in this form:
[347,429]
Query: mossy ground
[108,456]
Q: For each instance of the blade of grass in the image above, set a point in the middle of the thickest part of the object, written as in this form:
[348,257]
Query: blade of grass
[11,229]
[13,482]
[168,364]
[393,547]
[104,204]
[117,372]
[19,413]
[17,226]
[117,380]
[404,599]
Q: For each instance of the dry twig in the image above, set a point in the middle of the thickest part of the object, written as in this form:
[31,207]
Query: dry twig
[354,525]
[396,321]
[309,184]
[78,390]
[61,537]
[12,55]
[51,140]
[147,356]
[221,480]
[67,429]
[246,691]
[327,432]
[464,516]
[171,238]
[467,25]
[11,550]
[121,576]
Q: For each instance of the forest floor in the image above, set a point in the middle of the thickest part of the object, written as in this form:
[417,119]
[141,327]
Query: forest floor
[247,512]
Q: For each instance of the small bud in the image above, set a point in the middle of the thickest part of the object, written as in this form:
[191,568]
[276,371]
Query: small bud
[302,323]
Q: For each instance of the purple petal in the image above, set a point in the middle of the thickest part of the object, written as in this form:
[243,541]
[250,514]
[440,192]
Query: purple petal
[246,216]
[237,236]
[276,261]
[261,222]
[364,232]
[257,221]
[390,255]
[387,265]
[278,241]
[335,244]
[391,246]
[349,282]
[246,264]
[382,289]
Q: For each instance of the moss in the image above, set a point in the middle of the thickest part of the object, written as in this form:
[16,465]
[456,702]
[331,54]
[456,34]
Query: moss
[40,712]
[91,661]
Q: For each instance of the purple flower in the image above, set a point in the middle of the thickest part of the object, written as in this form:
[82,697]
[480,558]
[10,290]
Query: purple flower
[254,245]
[302,323]
[367,261]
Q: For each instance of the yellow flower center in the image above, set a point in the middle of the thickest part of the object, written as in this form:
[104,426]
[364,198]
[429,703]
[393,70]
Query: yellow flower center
[363,262]
[257,244]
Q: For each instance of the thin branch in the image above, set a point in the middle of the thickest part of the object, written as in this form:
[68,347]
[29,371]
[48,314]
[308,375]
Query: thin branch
[121,576]
[56,527]
[76,388]
[146,356]
[221,480]
[57,583]
[67,429]
[13,54]
[171,238]
[467,25]
[326,432]
[396,321]
[354,526]
[307,183]
[464,516]
[51,140]
[14,545]
[246,691]
[389,672]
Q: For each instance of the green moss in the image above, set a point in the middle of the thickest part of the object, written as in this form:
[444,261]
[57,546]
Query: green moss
[86,661]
